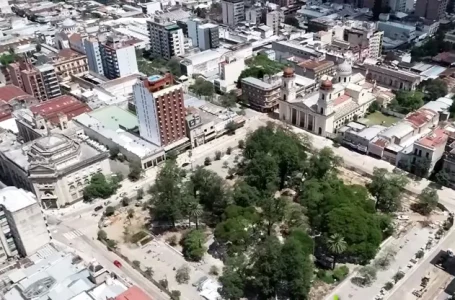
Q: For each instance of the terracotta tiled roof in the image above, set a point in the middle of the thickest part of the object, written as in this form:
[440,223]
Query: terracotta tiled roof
[65,104]
[12,92]
[133,293]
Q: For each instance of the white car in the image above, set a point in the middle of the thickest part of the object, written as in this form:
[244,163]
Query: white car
[403,217]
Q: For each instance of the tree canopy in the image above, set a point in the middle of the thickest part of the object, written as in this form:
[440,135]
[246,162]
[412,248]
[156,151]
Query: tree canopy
[99,187]
[434,89]
[407,101]
[202,87]
[387,188]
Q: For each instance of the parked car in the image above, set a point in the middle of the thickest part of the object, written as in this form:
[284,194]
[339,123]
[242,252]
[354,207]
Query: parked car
[117,264]
[99,207]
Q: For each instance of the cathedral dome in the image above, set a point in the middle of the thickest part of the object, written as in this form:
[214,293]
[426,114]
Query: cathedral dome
[68,23]
[344,69]
[288,72]
[326,85]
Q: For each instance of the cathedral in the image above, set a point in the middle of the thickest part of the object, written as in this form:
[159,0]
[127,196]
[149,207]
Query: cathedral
[339,100]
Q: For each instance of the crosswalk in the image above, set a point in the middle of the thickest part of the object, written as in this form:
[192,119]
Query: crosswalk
[72,234]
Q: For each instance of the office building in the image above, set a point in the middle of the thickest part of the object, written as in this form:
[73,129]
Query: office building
[233,11]
[166,38]
[208,36]
[431,9]
[39,81]
[160,109]
[24,228]
[203,35]
[193,25]
[273,21]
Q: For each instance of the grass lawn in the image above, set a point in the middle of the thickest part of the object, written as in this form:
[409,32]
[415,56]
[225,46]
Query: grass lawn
[378,118]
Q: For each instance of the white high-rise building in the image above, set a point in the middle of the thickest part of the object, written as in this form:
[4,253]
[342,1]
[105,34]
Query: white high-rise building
[114,58]
[24,228]
[92,50]
[233,11]
[119,57]
[166,38]
[273,21]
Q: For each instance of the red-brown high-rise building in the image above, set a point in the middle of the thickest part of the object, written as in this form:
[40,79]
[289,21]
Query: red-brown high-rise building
[39,81]
[160,109]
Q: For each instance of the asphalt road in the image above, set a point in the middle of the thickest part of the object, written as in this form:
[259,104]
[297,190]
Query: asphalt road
[438,278]
[89,248]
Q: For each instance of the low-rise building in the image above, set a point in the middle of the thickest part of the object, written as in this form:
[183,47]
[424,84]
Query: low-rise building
[391,77]
[117,128]
[70,62]
[360,138]
[315,69]
[261,95]
[38,120]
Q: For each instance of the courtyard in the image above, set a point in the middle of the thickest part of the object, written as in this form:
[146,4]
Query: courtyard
[378,118]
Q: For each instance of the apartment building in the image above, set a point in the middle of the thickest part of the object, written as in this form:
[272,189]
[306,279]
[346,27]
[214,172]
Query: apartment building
[166,38]
[94,59]
[119,57]
[262,95]
[39,81]
[431,9]
[366,38]
[233,11]
[273,21]
[114,58]
[160,110]
[70,62]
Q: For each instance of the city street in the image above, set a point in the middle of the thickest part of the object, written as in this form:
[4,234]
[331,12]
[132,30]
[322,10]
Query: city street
[81,239]
[403,290]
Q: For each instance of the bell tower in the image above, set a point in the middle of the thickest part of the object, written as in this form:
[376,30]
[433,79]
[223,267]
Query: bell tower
[288,90]
[325,101]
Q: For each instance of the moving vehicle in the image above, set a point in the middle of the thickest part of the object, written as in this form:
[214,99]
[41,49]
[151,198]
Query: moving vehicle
[117,264]
[99,207]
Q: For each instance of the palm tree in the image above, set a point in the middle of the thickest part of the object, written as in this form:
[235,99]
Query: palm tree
[196,211]
[336,245]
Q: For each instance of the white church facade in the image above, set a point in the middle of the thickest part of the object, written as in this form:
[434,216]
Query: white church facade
[340,99]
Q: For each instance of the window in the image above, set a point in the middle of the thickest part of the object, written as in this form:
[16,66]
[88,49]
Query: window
[427,155]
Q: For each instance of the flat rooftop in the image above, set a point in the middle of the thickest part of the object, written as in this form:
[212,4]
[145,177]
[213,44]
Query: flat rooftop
[113,117]
[15,199]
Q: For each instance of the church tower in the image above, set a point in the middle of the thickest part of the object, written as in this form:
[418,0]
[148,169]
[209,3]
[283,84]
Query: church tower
[288,90]
[325,101]
[344,72]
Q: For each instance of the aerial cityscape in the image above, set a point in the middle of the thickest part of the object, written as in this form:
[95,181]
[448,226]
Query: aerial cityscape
[227,149]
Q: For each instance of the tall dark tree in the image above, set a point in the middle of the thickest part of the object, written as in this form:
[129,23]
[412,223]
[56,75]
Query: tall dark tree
[266,269]
[167,193]
[323,163]
[233,279]
[261,172]
[387,189]
[272,211]
[296,271]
